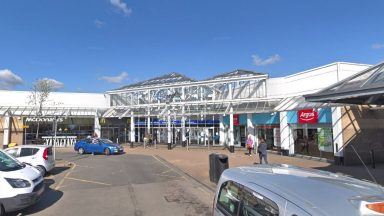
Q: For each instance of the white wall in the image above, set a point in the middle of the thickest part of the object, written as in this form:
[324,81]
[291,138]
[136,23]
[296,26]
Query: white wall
[56,99]
[311,81]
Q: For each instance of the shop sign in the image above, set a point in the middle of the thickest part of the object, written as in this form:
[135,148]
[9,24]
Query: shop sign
[43,119]
[307,116]
[236,120]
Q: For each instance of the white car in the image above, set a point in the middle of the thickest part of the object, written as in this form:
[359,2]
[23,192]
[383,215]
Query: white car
[21,185]
[276,190]
[39,156]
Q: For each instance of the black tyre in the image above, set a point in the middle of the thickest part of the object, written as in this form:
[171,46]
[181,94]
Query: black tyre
[81,151]
[107,151]
[42,170]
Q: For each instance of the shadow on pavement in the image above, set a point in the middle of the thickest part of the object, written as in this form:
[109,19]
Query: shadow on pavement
[48,198]
[58,170]
[358,172]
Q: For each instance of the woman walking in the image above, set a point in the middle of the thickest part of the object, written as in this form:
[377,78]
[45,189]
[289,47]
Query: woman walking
[249,144]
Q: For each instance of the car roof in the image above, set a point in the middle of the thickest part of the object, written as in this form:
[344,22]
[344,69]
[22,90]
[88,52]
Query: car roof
[318,192]
[31,146]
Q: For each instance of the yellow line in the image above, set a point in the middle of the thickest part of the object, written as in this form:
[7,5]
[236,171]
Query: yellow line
[169,167]
[88,181]
[66,175]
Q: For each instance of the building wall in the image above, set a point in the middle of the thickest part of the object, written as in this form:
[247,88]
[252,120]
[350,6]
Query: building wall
[56,99]
[363,129]
[311,81]
[16,132]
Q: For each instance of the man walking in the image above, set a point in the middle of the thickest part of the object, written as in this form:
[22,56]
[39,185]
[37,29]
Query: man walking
[262,150]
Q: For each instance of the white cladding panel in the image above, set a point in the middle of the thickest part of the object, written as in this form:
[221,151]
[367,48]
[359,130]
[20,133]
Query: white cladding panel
[311,81]
[56,99]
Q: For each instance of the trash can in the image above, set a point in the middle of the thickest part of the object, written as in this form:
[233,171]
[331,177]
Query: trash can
[131,144]
[212,167]
[169,146]
[232,149]
[217,164]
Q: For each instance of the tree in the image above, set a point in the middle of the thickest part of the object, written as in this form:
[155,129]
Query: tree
[39,95]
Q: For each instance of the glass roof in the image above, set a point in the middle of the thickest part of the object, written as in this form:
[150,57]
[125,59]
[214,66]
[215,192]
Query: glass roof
[355,89]
[171,78]
[236,73]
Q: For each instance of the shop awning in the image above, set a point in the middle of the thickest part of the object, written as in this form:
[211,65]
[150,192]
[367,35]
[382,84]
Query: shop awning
[366,87]
[298,103]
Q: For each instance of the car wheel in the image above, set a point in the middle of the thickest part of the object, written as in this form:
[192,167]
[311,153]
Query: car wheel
[42,170]
[107,151]
[81,151]
[2,210]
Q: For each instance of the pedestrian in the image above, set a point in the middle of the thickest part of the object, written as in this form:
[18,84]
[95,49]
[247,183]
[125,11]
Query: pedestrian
[249,144]
[262,150]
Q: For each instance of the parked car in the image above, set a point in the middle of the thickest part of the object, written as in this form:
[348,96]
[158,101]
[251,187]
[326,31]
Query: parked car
[21,185]
[288,190]
[39,156]
[101,146]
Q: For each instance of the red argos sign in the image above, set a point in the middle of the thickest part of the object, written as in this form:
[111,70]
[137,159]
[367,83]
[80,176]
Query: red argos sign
[236,120]
[307,116]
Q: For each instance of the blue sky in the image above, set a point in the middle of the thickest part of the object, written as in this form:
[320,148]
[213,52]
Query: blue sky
[98,45]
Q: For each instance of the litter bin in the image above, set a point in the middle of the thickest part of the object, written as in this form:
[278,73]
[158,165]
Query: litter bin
[169,146]
[217,164]
[232,149]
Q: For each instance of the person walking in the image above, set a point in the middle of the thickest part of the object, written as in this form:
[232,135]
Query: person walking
[262,150]
[249,144]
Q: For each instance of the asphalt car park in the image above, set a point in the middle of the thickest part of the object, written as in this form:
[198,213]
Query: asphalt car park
[125,184]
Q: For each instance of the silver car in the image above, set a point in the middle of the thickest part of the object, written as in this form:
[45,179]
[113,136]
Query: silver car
[289,190]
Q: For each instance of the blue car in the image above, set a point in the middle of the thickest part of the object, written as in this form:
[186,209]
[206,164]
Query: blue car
[95,146]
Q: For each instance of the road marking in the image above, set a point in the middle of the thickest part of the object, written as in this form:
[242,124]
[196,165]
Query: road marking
[66,175]
[170,167]
[87,181]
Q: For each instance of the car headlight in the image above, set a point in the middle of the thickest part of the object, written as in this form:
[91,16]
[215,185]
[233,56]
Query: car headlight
[18,183]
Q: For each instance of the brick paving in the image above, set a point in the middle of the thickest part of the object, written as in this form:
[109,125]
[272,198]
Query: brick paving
[195,162]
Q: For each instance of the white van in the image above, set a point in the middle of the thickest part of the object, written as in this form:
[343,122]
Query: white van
[21,185]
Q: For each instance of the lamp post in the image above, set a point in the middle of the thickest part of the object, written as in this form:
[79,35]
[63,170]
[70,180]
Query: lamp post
[54,139]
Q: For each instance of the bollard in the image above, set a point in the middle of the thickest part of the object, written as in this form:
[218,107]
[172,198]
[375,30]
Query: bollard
[131,144]
[169,146]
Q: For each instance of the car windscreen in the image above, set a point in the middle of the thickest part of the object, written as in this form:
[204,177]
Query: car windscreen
[7,163]
[106,141]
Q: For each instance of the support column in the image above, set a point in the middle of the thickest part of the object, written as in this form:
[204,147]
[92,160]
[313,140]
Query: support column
[149,122]
[231,131]
[132,128]
[221,132]
[251,129]
[286,136]
[97,127]
[337,130]
[169,131]
[7,130]
[183,138]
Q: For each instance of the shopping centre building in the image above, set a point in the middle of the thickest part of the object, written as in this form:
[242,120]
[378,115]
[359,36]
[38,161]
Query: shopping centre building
[222,110]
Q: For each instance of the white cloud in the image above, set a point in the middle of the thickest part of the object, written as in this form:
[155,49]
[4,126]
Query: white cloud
[98,23]
[121,6]
[115,79]
[8,80]
[262,62]
[377,46]
[55,84]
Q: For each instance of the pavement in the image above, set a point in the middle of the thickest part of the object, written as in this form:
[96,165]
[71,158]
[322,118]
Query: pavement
[195,162]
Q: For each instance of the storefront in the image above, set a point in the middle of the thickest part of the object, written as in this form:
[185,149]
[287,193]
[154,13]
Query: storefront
[36,128]
[312,132]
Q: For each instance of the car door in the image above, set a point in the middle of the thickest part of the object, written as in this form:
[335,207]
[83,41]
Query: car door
[28,155]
